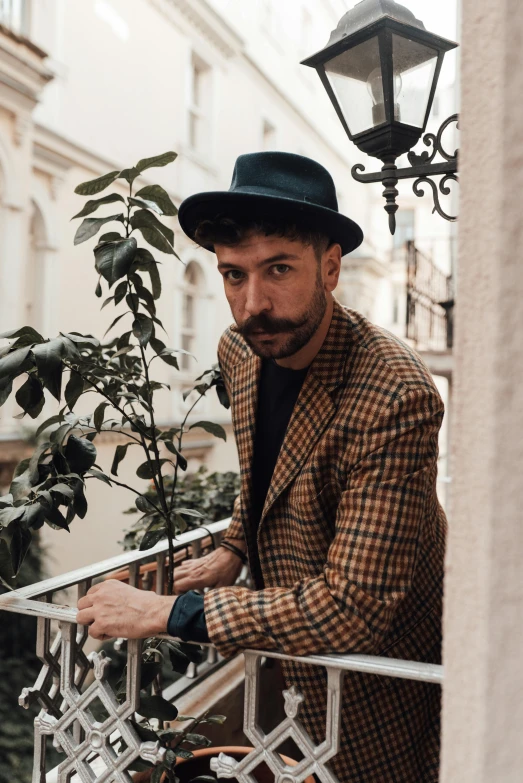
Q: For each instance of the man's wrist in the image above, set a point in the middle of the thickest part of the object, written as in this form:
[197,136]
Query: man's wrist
[161,613]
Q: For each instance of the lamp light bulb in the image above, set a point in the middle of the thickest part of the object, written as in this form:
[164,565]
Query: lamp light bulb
[375,89]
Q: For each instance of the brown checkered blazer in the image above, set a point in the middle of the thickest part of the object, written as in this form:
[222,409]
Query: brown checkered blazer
[351,542]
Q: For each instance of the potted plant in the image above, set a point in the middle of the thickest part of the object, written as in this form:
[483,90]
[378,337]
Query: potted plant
[50,486]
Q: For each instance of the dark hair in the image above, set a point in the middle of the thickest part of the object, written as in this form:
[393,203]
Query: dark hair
[228,231]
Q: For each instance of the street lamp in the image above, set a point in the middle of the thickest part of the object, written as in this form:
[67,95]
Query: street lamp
[380,69]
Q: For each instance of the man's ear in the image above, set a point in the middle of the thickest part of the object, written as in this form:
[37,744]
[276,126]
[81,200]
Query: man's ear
[331,266]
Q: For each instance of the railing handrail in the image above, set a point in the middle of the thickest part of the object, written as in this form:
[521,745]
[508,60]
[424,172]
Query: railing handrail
[116,563]
[368,664]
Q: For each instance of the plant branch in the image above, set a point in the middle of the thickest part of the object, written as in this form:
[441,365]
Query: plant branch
[126,486]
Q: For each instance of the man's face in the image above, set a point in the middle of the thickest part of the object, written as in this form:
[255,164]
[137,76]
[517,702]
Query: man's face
[276,290]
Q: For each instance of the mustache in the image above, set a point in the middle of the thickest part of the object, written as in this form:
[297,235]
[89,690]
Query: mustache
[268,324]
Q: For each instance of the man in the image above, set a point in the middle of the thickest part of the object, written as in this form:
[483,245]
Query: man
[336,423]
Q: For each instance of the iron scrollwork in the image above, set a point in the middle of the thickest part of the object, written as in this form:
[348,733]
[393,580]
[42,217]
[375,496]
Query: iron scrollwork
[422,170]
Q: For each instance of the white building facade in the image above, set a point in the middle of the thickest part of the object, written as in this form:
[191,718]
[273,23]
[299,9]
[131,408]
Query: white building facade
[94,86]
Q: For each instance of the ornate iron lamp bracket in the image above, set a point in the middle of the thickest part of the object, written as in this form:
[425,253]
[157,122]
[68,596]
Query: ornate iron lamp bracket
[422,170]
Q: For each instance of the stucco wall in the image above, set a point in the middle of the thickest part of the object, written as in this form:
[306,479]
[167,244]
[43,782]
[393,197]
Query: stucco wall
[483,694]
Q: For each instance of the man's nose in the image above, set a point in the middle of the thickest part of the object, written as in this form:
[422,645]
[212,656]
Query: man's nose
[256,300]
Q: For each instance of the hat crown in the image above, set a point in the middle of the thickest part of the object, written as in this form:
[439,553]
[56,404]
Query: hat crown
[284,175]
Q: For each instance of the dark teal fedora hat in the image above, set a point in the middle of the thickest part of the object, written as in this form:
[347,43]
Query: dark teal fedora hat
[277,185]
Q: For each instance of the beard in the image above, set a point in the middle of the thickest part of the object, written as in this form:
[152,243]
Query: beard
[298,331]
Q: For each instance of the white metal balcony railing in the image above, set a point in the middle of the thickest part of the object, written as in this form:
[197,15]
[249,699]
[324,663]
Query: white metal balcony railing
[14,14]
[64,695]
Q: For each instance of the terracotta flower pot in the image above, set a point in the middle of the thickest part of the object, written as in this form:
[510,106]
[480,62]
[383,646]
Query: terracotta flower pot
[188,769]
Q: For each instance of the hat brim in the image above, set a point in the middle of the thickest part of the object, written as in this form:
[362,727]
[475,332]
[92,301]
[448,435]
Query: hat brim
[209,205]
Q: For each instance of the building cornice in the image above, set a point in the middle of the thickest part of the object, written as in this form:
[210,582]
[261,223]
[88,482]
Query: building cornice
[205,19]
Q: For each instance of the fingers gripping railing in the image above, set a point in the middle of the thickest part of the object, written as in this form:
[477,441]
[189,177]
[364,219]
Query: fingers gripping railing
[71,683]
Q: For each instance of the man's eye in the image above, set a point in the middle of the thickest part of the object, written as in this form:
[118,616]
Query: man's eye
[281,269]
[234,275]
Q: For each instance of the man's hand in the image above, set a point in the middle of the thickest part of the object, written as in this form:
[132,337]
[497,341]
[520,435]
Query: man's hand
[113,609]
[220,568]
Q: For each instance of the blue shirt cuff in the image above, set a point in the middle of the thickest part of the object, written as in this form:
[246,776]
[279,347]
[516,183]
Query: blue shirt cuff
[187,619]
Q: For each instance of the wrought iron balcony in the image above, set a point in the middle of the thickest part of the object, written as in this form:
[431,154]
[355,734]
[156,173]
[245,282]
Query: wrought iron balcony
[71,681]
[430,302]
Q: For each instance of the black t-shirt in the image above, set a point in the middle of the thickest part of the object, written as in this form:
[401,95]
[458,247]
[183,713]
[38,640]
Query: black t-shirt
[278,391]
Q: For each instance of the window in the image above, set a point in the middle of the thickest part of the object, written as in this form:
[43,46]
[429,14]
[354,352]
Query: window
[199,105]
[35,271]
[268,136]
[14,14]
[191,285]
[404,227]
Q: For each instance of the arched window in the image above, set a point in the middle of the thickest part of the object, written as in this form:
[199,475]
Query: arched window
[35,271]
[192,281]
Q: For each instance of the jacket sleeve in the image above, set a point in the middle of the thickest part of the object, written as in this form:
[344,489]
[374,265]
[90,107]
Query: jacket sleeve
[234,532]
[381,517]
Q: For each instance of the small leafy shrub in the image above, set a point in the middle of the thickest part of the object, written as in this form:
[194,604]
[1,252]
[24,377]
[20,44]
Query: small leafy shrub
[212,494]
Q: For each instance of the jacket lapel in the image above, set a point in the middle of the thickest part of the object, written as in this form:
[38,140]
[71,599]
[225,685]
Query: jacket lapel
[244,387]
[312,413]
[314,408]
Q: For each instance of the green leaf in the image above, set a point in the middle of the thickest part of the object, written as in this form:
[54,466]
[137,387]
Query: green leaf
[96,185]
[48,358]
[73,389]
[143,204]
[153,231]
[129,174]
[148,470]
[48,423]
[20,542]
[24,331]
[113,260]
[14,363]
[30,397]
[182,462]
[211,428]
[91,226]
[55,517]
[143,328]
[98,289]
[156,161]
[63,490]
[120,292]
[156,282]
[151,538]
[220,719]
[157,707]
[80,454]
[81,339]
[169,359]
[119,455]
[189,512]
[197,739]
[93,205]
[160,197]
[98,415]
[80,502]
[149,672]
[157,775]
[111,236]
[181,753]
[145,734]
[118,318]
[99,475]
[143,504]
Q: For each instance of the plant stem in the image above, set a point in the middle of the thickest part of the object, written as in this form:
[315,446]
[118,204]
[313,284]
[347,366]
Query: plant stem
[180,437]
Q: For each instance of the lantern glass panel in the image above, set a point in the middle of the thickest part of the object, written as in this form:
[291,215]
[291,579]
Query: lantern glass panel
[414,66]
[356,79]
